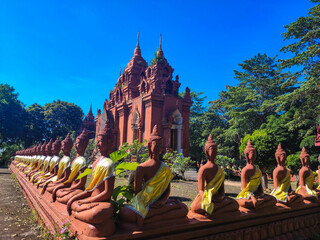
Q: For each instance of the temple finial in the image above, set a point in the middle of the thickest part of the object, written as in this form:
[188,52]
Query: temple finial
[137,50]
[160,52]
[120,72]
[138,46]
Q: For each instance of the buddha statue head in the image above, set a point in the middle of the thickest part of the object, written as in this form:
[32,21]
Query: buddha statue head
[43,148]
[155,143]
[82,142]
[211,149]
[304,157]
[67,145]
[39,149]
[104,140]
[250,153]
[56,146]
[281,156]
[49,148]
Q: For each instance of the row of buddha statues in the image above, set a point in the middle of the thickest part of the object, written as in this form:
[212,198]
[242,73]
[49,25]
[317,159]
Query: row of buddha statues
[42,166]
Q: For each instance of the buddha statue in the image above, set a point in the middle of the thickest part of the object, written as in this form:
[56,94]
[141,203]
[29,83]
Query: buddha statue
[40,160]
[64,191]
[281,179]
[45,164]
[93,205]
[151,202]
[306,178]
[63,171]
[211,199]
[252,196]
[32,166]
[53,164]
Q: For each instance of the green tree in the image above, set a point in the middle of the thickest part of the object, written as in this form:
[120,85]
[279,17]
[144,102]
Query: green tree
[304,37]
[62,117]
[35,129]
[12,115]
[245,107]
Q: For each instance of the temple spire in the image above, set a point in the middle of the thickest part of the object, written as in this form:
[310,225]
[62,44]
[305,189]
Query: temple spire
[120,72]
[137,50]
[160,52]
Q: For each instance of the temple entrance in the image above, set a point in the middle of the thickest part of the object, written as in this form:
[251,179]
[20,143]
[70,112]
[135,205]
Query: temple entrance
[135,134]
[174,139]
[175,133]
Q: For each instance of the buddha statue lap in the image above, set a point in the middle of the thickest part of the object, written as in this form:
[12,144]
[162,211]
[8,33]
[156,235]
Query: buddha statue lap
[64,167]
[53,164]
[252,196]
[93,205]
[151,202]
[281,179]
[211,200]
[306,179]
[71,187]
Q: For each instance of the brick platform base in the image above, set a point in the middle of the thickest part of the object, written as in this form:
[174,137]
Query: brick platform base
[278,223]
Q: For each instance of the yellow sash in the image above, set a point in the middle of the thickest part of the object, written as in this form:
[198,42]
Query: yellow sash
[33,165]
[252,185]
[281,193]
[103,170]
[153,189]
[45,164]
[309,186]
[53,162]
[78,164]
[211,189]
[63,165]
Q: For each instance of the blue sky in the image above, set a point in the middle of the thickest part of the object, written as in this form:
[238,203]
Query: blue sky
[73,50]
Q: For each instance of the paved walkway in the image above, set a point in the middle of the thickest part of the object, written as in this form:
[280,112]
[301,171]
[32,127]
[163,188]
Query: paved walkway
[15,215]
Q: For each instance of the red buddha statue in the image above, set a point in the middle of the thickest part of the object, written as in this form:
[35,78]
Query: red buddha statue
[42,154]
[151,202]
[45,165]
[306,179]
[71,187]
[63,170]
[53,164]
[281,180]
[252,196]
[93,205]
[211,199]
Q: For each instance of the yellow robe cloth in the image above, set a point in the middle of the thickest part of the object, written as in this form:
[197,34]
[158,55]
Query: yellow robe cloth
[33,165]
[309,186]
[252,185]
[153,189]
[102,171]
[78,164]
[53,162]
[281,193]
[44,168]
[63,165]
[211,189]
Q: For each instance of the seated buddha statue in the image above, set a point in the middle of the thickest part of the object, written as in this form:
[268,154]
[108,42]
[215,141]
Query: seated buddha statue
[211,199]
[281,179]
[34,161]
[306,179]
[151,202]
[40,160]
[45,164]
[252,196]
[53,164]
[93,205]
[64,191]
[62,172]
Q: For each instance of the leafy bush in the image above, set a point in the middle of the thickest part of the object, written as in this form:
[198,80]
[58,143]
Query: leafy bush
[177,163]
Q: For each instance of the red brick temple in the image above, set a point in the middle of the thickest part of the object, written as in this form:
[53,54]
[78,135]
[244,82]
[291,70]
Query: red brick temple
[89,123]
[144,96]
